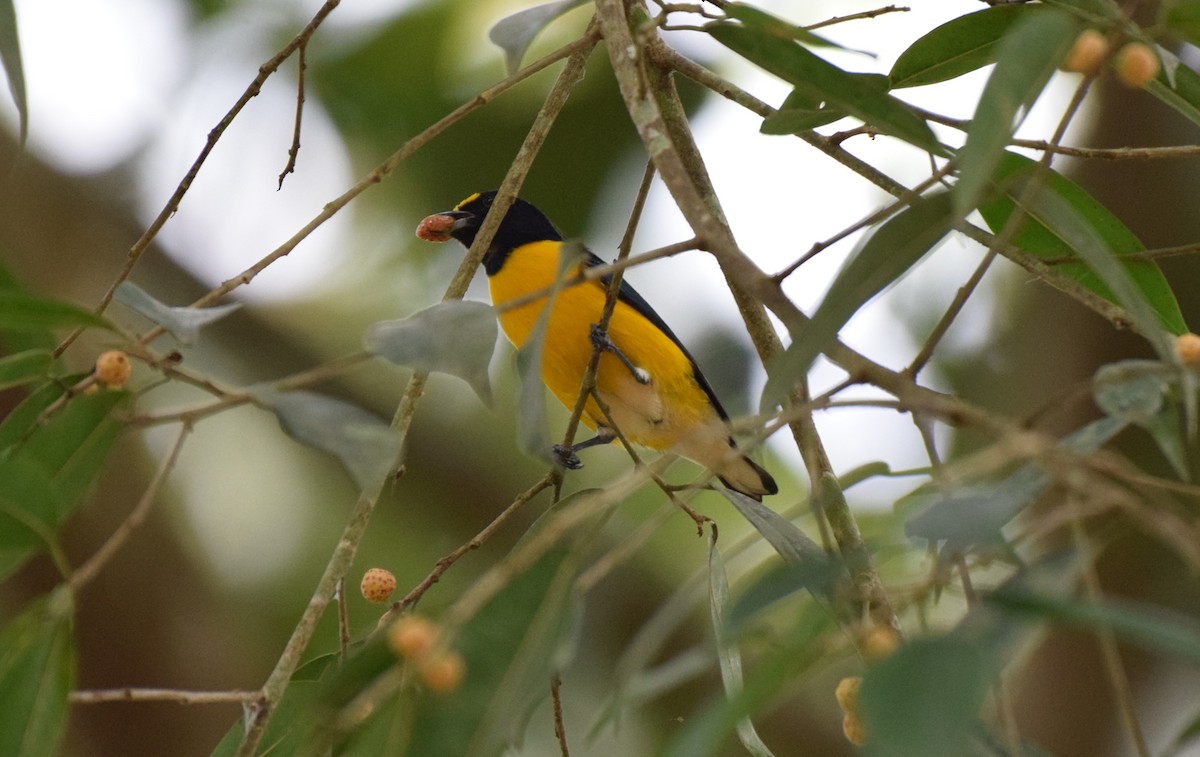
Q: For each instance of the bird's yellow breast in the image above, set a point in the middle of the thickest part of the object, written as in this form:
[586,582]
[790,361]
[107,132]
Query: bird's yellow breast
[657,414]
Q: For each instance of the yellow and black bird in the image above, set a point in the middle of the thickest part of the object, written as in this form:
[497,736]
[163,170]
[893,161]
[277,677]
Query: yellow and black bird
[655,392]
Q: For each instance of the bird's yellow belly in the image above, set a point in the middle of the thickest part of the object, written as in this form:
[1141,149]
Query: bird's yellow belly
[658,414]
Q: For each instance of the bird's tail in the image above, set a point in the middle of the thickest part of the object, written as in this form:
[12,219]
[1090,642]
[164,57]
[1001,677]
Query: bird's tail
[748,477]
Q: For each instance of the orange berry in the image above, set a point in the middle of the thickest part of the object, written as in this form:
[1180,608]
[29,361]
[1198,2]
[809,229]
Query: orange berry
[1187,348]
[443,672]
[1086,54]
[113,369]
[377,585]
[880,642]
[412,636]
[855,730]
[847,693]
[1136,64]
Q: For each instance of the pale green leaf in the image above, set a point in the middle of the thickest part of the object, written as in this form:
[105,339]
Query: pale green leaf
[365,445]
[455,337]
[727,651]
[183,322]
[957,47]
[515,33]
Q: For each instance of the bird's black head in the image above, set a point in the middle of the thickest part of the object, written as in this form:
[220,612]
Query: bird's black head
[521,225]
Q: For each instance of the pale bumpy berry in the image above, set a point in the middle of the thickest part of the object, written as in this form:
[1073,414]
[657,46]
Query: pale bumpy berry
[880,642]
[443,672]
[855,730]
[113,369]
[1136,64]
[378,585]
[847,693]
[1087,53]
[1187,348]
[412,636]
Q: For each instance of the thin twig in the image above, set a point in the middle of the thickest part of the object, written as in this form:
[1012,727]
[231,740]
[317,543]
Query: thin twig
[294,150]
[560,729]
[857,16]
[343,620]
[475,542]
[172,205]
[179,696]
[137,516]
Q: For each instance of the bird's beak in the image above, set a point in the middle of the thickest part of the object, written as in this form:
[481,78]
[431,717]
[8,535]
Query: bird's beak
[439,227]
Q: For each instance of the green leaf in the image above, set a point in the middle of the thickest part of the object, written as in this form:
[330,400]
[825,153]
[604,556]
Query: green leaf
[532,437]
[1182,18]
[365,445]
[290,731]
[456,337]
[37,672]
[1177,85]
[802,111]
[23,313]
[45,477]
[1027,57]
[1036,239]
[25,367]
[976,514]
[1067,223]
[727,651]
[19,422]
[10,56]
[825,82]
[1150,626]
[1163,427]
[1131,390]
[755,17]
[788,541]
[515,33]
[925,698]
[957,47]
[782,581]
[183,322]
[895,247]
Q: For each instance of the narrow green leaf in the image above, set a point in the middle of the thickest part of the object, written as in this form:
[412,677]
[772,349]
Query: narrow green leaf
[925,698]
[23,313]
[25,367]
[28,504]
[1131,390]
[183,322]
[1150,626]
[1182,18]
[457,338]
[802,111]
[37,672]
[788,541]
[976,514]
[290,731]
[19,422]
[532,437]
[752,16]
[1177,85]
[781,582]
[957,47]
[825,82]
[727,651]
[895,247]
[1036,239]
[1163,427]
[515,33]
[10,56]
[1068,224]
[365,445]
[1026,58]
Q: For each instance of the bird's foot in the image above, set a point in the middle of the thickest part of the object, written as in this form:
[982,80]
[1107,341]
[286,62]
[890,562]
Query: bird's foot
[567,458]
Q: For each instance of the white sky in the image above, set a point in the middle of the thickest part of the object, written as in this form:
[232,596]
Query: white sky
[106,79]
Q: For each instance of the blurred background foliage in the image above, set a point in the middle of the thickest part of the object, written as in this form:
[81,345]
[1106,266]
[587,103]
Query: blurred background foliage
[208,590]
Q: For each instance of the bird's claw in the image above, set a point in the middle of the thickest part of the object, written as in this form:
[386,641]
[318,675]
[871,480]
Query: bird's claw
[567,457]
[601,341]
